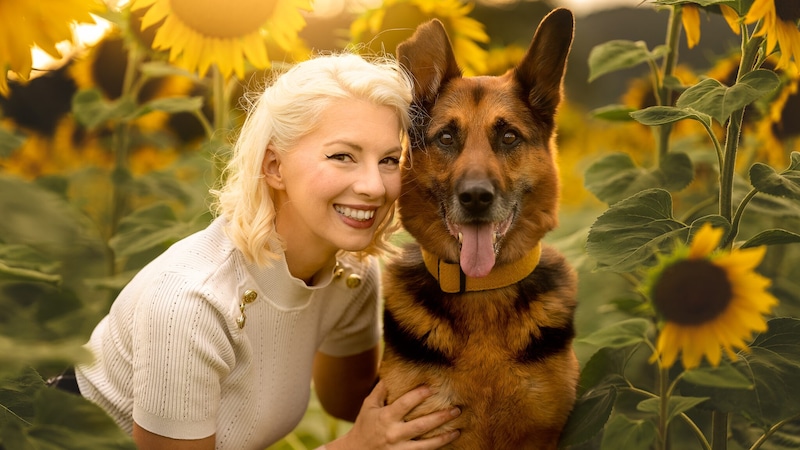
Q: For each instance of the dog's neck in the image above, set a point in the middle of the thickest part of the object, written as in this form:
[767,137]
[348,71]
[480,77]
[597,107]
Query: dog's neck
[452,279]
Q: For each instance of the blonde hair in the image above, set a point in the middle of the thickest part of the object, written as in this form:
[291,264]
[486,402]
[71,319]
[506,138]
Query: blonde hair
[286,111]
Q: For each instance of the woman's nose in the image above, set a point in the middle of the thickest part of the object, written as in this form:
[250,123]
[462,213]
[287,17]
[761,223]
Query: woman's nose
[370,182]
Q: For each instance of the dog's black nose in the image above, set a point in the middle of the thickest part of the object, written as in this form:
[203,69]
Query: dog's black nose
[476,196]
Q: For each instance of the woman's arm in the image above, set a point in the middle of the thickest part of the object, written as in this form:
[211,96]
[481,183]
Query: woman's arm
[342,383]
[151,441]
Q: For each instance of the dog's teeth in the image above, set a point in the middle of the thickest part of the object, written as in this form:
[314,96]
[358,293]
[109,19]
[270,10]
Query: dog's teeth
[460,238]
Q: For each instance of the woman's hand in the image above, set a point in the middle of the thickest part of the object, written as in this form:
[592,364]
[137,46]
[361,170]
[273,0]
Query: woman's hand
[381,426]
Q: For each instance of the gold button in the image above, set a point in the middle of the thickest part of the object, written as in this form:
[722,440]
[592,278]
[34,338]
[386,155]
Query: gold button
[249,296]
[338,271]
[353,280]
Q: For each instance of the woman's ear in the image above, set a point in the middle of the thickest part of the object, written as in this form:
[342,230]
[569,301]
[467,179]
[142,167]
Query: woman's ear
[272,169]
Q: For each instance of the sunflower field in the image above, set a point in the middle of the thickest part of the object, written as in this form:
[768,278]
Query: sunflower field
[680,203]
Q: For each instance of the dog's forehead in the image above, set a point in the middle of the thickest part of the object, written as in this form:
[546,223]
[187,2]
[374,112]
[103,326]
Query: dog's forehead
[480,100]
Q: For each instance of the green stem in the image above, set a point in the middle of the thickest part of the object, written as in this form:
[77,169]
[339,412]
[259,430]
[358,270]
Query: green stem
[737,217]
[12,413]
[221,112]
[697,431]
[121,174]
[664,93]
[664,390]
[719,430]
[771,431]
[750,51]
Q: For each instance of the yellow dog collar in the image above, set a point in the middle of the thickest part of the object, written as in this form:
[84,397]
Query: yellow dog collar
[452,279]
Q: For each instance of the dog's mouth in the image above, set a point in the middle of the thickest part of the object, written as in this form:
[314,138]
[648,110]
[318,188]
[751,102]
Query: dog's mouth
[479,243]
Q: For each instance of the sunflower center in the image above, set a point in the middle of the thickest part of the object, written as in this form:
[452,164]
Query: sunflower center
[787,9]
[692,292]
[213,18]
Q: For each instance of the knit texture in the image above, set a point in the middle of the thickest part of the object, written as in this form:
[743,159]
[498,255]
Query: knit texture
[170,355]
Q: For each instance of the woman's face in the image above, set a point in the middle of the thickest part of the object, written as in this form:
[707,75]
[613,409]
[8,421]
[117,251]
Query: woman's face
[337,184]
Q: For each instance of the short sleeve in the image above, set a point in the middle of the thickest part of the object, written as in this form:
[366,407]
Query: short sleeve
[358,329]
[182,349]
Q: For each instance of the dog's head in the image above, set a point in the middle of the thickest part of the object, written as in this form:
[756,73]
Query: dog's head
[482,185]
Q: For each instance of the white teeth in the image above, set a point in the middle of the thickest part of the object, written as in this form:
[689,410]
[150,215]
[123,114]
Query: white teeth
[460,238]
[356,214]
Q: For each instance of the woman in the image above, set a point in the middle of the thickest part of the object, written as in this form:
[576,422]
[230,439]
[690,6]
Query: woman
[215,343]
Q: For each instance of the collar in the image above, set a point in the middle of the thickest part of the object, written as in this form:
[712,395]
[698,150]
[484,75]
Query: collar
[452,280]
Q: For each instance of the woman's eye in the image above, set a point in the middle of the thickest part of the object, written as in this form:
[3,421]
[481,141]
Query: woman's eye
[391,160]
[340,157]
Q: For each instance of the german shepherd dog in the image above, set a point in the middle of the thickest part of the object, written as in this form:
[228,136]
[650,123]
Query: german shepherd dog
[478,308]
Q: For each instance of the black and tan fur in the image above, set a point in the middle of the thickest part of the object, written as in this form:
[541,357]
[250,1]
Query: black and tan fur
[483,150]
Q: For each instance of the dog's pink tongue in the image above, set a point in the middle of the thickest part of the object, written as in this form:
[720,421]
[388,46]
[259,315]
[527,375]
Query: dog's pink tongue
[477,250]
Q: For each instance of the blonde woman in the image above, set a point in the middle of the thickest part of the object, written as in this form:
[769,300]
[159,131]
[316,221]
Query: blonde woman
[215,343]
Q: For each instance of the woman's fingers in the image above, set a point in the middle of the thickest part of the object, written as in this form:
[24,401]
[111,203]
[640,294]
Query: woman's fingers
[410,400]
[419,426]
[437,441]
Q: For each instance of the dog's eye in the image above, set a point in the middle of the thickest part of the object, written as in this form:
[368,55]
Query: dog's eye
[446,139]
[509,138]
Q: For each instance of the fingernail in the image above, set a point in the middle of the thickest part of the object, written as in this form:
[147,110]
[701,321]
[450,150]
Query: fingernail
[455,412]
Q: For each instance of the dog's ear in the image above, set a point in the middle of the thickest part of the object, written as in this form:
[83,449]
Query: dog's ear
[428,56]
[541,71]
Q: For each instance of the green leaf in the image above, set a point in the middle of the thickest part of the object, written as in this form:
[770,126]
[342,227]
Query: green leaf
[723,376]
[606,368]
[16,354]
[786,184]
[33,416]
[772,366]
[713,98]
[623,433]
[68,421]
[616,113]
[772,237]
[157,69]
[154,226]
[662,115]
[630,233]
[9,273]
[589,416]
[16,392]
[170,105]
[616,55]
[92,109]
[47,222]
[676,405]
[616,176]
[619,335]
[23,263]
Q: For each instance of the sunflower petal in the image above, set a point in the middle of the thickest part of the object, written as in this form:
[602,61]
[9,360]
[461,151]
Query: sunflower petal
[691,23]
[705,241]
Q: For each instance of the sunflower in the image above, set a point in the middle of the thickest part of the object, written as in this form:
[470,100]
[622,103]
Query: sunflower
[709,300]
[199,33]
[382,29]
[43,23]
[779,24]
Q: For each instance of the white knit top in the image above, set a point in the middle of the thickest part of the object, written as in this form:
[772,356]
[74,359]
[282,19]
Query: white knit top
[171,356]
